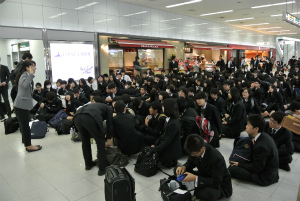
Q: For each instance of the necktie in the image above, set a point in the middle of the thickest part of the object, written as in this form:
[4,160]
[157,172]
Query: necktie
[273,131]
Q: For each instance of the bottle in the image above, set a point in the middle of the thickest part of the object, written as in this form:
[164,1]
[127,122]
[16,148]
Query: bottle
[71,131]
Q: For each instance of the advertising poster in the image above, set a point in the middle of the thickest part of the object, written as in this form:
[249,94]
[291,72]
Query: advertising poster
[72,61]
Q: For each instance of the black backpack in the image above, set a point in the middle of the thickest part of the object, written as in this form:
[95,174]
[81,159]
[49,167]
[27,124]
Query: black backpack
[242,150]
[63,126]
[114,156]
[147,164]
[11,125]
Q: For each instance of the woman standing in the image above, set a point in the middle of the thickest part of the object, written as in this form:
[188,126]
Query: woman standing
[23,102]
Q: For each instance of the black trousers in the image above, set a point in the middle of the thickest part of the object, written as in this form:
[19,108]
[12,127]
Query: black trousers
[23,119]
[296,146]
[4,93]
[229,132]
[285,159]
[206,193]
[88,127]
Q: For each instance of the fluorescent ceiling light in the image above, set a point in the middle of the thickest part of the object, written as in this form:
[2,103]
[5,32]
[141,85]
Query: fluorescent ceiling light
[196,24]
[226,11]
[136,25]
[286,33]
[184,3]
[249,18]
[188,31]
[102,20]
[171,20]
[217,28]
[135,13]
[275,4]
[60,14]
[269,28]
[167,28]
[279,31]
[249,25]
[87,5]
[232,31]
[281,14]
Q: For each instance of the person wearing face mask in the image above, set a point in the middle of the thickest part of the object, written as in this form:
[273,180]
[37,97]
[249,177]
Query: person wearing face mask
[47,88]
[170,90]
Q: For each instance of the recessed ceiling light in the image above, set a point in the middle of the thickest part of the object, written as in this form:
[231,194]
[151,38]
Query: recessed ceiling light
[269,28]
[226,11]
[171,20]
[281,14]
[167,28]
[249,25]
[279,31]
[137,25]
[135,13]
[102,20]
[60,14]
[249,18]
[184,3]
[275,4]
[87,5]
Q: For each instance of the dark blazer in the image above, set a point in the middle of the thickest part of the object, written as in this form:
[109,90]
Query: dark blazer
[131,91]
[62,91]
[99,112]
[265,161]
[53,107]
[156,125]
[219,103]
[221,63]
[102,87]
[83,99]
[212,171]
[283,141]
[188,122]
[73,106]
[190,102]
[4,75]
[252,106]
[173,65]
[130,141]
[237,119]
[232,64]
[168,144]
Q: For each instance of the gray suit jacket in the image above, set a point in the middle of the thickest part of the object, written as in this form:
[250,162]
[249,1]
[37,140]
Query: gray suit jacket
[24,96]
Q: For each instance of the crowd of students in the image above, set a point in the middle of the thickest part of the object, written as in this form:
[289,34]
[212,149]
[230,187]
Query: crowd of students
[160,111]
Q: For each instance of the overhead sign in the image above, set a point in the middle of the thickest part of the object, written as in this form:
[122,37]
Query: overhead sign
[291,19]
[72,61]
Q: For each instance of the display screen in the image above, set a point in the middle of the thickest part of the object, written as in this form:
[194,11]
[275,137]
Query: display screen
[72,61]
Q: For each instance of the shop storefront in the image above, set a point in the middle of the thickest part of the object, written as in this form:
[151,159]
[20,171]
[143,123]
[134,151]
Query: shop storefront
[122,54]
[197,54]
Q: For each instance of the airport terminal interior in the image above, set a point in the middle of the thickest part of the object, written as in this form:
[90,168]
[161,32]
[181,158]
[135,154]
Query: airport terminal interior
[139,55]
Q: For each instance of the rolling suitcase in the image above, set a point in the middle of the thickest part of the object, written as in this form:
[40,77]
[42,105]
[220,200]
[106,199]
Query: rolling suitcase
[119,184]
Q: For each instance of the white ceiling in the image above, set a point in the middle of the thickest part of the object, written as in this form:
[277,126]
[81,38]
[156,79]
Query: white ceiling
[241,9]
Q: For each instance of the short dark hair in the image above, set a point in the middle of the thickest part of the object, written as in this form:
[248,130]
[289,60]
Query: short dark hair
[171,108]
[96,93]
[59,80]
[111,85]
[126,98]
[294,106]
[184,90]
[214,91]
[193,143]
[38,84]
[257,121]
[98,99]
[105,75]
[278,116]
[164,94]
[136,102]
[191,89]
[50,96]
[90,79]
[119,106]
[235,94]
[27,55]
[156,106]
[75,91]
[200,95]
[182,104]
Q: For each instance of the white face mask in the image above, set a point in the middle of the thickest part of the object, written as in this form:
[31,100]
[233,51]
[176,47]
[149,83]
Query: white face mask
[168,91]
[48,86]
[166,80]
[75,96]
[137,85]
[126,87]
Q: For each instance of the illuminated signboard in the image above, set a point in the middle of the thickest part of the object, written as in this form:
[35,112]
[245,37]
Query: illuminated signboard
[291,19]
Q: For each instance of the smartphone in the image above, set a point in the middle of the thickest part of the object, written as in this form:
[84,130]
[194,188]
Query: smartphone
[288,123]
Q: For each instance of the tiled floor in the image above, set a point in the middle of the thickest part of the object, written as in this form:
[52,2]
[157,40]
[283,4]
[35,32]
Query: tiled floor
[56,173]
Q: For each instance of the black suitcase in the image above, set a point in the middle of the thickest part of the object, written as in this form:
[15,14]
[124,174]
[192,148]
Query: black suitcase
[119,184]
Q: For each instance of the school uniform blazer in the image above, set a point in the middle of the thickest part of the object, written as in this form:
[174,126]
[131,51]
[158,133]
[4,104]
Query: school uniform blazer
[212,171]
[237,120]
[24,96]
[4,75]
[265,160]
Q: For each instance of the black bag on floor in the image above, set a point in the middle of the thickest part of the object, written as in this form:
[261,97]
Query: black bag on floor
[42,114]
[119,184]
[57,118]
[167,191]
[63,126]
[11,125]
[146,164]
[242,150]
[38,129]
[115,157]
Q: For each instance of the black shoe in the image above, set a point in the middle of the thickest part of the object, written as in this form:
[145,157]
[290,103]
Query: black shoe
[101,172]
[285,167]
[88,167]
[2,117]
[39,147]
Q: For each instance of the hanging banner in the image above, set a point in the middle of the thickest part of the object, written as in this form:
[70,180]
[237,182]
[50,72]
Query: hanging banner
[290,19]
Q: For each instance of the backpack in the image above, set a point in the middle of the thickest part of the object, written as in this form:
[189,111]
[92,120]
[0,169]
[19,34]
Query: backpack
[114,156]
[205,129]
[42,114]
[63,126]
[242,150]
[57,118]
[146,164]
[168,188]
[38,129]
[11,125]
